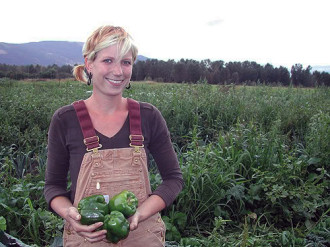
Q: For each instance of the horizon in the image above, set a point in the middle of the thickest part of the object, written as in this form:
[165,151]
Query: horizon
[316,67]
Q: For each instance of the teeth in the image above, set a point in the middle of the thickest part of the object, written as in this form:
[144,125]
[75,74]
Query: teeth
[115,81]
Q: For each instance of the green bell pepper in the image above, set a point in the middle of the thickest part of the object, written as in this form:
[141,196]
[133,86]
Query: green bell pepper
[124,202]
[89,217]
[117,226]
[92,209]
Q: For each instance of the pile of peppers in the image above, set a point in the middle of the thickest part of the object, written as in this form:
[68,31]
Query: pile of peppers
[113,214]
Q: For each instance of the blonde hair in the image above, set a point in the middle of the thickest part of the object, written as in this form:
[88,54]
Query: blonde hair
[101,38]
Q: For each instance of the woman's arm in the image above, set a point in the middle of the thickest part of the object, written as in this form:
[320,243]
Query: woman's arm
[55,191]
[149,207]
[161,148]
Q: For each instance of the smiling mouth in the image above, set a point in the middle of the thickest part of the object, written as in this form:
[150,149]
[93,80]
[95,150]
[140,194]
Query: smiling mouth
[116,82]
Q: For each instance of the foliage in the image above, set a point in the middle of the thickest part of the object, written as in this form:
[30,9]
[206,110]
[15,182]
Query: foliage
[22,203]
[22,72]
[175,223]
[26,109]
[301,75]
[3,225]
[189,70]
[255,161]
[318,136]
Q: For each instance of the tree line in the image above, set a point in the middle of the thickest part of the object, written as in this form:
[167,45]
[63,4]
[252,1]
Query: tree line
[189,71]
[21,72]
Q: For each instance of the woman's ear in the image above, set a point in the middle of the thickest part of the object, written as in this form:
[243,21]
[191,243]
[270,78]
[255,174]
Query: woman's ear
[88,65]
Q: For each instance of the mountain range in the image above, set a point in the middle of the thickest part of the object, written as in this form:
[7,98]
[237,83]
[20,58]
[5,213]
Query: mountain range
[44,53]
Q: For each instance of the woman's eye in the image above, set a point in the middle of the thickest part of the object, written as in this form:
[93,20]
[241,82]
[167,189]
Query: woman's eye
[107,60]
[127,62]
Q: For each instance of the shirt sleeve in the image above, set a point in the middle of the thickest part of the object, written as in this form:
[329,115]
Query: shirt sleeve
[162,150]
[57,161]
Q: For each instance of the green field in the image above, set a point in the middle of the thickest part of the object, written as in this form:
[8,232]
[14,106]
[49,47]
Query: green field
[255,161]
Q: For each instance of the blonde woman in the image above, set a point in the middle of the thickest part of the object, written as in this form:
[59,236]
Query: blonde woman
[111,153]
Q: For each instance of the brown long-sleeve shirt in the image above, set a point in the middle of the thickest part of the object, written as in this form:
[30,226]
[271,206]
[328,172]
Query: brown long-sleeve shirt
[66,150]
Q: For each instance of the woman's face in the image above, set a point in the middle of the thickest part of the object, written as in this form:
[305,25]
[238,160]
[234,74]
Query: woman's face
[111,73]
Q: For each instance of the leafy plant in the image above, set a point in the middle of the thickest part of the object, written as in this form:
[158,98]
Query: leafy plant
[3,225]
[243,151]
[175,223]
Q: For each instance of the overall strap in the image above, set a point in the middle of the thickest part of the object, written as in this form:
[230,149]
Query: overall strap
[91,140]
[136,137]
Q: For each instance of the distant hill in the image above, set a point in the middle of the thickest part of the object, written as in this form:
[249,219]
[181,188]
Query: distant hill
[44,53]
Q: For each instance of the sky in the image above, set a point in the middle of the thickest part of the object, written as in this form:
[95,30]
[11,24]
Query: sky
[279,32]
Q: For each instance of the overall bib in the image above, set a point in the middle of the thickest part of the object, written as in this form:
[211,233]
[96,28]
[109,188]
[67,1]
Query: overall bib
[108,172]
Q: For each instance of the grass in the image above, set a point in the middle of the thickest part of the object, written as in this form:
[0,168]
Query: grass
[255,161]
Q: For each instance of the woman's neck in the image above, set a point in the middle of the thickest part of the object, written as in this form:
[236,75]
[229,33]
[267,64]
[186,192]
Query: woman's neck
[106,106]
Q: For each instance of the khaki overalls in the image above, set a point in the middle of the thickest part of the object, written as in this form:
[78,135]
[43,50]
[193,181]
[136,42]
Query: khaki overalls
[110,171]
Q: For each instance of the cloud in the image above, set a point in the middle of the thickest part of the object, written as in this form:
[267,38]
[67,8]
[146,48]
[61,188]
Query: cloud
[214,22]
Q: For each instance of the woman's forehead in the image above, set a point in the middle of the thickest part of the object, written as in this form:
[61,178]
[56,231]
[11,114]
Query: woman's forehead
[115,50]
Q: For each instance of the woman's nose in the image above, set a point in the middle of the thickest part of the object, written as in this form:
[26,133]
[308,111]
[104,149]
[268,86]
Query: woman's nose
[117,70]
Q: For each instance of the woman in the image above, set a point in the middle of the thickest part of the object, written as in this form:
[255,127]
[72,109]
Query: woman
[110,154]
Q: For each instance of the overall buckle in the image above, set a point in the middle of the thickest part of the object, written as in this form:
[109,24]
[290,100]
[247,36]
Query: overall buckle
[136,138]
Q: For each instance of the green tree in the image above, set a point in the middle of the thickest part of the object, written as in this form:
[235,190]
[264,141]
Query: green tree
[194,71]
[215,75]
[301,76]
[321,78]
[180,71]
[139,71]
[284,75]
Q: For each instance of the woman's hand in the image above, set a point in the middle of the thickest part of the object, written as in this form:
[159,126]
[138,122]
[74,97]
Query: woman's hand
[88,232]
[63,207]
[134,221]
[149,207]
